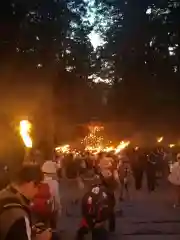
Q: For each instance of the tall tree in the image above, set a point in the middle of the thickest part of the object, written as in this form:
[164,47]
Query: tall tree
[136,55]
[49,47]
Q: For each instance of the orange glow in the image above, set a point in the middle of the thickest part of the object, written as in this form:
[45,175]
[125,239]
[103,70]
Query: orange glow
[160,139]
[25,129]
[63,148]
[122,146]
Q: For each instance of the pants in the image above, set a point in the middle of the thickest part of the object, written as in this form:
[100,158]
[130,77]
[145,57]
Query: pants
[138,176]
[177,195]
[124,188]
[97,233]
[112,222]
[151,179]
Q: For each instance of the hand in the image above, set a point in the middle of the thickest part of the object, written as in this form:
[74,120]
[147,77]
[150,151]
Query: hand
[45,235]
[39,225]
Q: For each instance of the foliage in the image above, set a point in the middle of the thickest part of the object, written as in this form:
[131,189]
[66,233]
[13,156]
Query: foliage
[141,57]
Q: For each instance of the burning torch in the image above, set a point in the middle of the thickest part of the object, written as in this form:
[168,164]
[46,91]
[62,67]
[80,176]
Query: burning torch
[160,139]
[25,130]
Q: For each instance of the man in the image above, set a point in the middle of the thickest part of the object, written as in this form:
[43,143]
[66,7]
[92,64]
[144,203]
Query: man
[110,179]
[15,220]
[151,170]
[104,206]
[124,174]
[95,213]
[49,170]
[174,179]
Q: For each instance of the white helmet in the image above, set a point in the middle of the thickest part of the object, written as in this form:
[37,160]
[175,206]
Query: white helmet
[49,167]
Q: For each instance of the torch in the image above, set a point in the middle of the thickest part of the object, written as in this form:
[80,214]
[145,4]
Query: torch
[122,146]
[160,139]
[25,130]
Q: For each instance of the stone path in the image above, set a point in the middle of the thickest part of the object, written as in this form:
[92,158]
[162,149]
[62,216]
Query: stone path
[146,216]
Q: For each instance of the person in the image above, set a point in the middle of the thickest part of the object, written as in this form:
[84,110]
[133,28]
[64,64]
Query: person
[49,170]
[15,215]
[102,207]
[110,179]
[124,177]
[138,159]
[151,168]
[95,213]
[174,179]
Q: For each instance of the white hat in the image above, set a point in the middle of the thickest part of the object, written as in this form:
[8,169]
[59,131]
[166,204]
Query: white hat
[49,167]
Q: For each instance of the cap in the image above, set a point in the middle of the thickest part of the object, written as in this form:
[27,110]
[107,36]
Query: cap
[49,167]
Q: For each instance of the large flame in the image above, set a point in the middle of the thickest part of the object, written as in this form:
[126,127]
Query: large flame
[25,129]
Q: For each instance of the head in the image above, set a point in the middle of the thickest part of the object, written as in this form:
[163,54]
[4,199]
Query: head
[49,169]
[28,179]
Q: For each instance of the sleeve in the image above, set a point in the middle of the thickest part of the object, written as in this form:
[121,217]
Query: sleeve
[20,229]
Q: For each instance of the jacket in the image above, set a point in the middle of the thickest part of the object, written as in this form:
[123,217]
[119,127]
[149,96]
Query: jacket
[13,207]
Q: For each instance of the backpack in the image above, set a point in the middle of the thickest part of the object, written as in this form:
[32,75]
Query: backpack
[96,205]
[43,203]
[8,202]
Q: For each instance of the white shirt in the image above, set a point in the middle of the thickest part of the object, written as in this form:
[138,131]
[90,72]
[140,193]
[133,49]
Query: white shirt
[54,190]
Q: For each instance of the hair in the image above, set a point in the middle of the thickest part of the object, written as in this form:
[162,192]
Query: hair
[29,172]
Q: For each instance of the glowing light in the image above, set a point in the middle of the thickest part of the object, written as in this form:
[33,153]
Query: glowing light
[63,149]
[109,149]
[96,39]
[172,145]
[25,129]
[96,79]
[122,146]
[149,11]
[160,139]
[39,65]
[94,140]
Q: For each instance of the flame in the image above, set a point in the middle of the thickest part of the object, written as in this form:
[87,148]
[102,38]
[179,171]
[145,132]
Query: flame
[94,150]
[63,148]
[122,146]
[108,149]
[25,129]
[172,145]
[94,141]
[160,139]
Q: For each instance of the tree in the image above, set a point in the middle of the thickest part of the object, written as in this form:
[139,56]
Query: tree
[136,56]
[50,47]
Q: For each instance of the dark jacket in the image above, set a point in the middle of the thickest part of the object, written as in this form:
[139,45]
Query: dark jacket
[13,214]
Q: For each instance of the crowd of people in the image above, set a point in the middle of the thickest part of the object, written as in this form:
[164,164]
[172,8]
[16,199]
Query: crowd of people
[30,203]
